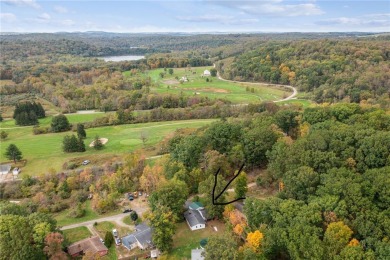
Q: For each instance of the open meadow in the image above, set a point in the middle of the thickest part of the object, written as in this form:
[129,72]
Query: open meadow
[197,85]
[44,152]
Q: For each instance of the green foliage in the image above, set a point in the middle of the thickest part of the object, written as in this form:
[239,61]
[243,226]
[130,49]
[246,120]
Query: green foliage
[13,153]
[134,216]
[221,136]
[3,135]
[206,189]
[172,195]
[287,120]
[108,239]
[28,113]
[97,143]
[213,72]
[162,220]
[221,247]
[188,150]
[71,144]
[81,134]
[60,123]
[241,186]
[301,183]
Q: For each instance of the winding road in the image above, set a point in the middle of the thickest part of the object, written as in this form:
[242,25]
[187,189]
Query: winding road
[295,91]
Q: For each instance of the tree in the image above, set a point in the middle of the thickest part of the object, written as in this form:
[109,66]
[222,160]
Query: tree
[13,153]
[97,143]
[108,239]
[171,194]
[213,72]
[206,188]
[81,134]
[336,237]
[170,71]
[60,123]
[254,240]
[71,144]
[134,216]
[53,246]
[3,135]
[1,118]
[241,185]
[286,120]
[162,221]
[221,247]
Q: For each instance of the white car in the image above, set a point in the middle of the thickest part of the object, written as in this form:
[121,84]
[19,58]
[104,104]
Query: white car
[86,162]
[115,232]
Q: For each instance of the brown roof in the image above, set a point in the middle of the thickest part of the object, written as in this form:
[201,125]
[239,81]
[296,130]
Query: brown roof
[89,244]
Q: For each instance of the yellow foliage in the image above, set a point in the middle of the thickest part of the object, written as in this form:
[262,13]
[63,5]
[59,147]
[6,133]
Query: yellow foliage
[238,229]
[228,209]
[353,242]
[254,240]
[304,129]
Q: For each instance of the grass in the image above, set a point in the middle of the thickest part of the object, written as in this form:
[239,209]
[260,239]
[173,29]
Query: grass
[197,85]
[185,240]
[76,234]
[44,152]
[304,102]
[63,219]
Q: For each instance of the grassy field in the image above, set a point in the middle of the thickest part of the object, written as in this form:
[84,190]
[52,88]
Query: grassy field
[215,88]
[185,240]
[76,234]
[44,152]
[304,102]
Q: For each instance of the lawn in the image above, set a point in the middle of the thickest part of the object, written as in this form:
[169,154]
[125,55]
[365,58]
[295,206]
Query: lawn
[215,88]
[304,102]
[63,219]
[77,234]
[185,240]
[44,152]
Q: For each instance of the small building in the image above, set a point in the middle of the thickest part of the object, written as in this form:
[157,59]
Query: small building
[16,171]
[206,73]
[196,254]
[194,220]
[5,168]
[142,238]
[92,244]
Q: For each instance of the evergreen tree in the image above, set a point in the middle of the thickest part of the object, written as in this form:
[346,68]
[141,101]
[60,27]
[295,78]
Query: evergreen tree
[97,143]
[13,153]
[81,131]
[60,123]
[134,216]
[108,239]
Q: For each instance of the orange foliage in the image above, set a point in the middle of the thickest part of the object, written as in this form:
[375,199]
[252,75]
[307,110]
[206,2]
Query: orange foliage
[254,240]
[354,242]
[238,229]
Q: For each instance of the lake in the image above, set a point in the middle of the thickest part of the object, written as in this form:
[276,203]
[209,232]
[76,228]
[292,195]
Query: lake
[122,58]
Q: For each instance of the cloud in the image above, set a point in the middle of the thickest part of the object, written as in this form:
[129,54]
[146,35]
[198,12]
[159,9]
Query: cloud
[223,19]
[44,16]
[60,9]
[272,7]
[28,3]
[363,21]
[7,17]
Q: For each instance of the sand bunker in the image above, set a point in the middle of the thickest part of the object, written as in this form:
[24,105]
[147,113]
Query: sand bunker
[102,140]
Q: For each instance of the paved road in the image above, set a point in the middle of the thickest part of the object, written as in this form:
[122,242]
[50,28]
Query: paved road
[115,218]
[295,91]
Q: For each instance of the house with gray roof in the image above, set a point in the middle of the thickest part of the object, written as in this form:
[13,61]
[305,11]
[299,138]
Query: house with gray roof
[142,238]
[196,216]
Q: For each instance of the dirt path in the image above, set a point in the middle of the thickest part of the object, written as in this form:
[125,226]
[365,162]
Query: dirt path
[295,91]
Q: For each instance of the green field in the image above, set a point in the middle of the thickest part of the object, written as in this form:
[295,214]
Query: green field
[76,234]
[44,152]
[215,88]
[304,102]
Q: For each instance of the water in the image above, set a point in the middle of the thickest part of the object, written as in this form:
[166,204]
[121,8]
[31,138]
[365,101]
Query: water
[122,58]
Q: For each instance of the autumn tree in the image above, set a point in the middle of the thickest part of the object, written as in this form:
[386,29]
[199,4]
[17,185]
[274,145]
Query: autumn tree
[254,240]
[221,247]
[53,246]
[241,186]
[151,178]
[336,237]
[13,153]
[162,220]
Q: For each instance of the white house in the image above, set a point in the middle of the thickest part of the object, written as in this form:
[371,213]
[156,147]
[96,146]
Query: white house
[206,73]
[196,216]
[5,168]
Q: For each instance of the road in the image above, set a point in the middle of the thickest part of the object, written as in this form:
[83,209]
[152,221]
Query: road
[115,218]
[295,91]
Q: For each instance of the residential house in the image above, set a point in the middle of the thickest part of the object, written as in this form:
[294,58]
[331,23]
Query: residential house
[5,168]
[92,244]
[142,238]
[196,216]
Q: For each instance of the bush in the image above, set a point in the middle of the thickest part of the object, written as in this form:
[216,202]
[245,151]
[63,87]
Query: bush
[60,123]
[41,130]
[108,239]
[77,212]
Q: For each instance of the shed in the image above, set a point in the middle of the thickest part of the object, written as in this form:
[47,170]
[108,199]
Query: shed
[5,168]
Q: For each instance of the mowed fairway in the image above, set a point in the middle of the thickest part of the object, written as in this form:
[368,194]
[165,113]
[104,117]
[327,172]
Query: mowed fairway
[45,151]
[215,88]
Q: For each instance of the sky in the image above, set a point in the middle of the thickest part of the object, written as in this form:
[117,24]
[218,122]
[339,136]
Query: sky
[194,16]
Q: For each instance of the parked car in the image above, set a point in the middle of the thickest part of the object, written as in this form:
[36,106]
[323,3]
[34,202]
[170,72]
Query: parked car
[127,210]
[118,241]
[115,232]
[86,162]
[131,197]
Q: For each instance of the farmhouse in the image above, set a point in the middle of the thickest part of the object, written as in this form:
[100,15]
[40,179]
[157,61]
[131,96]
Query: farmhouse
[92,244]
[196,216]
[206,73]
[142,238]
[5,168]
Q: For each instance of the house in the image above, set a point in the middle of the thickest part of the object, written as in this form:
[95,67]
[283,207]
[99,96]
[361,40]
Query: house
[206,73]
[196,216]
[5,168]
[92,244]
[196,254]
[142,238]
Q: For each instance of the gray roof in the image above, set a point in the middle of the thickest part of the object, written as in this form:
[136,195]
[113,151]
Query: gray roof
[196,254]
[142,234]
[5,167]
[194,218]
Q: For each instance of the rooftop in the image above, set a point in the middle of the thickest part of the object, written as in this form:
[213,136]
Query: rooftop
[89,244]
[194,218]
[195,205]
[142,234]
